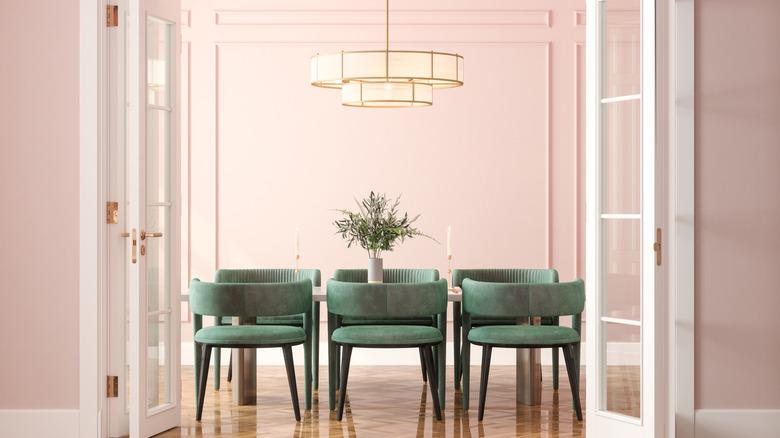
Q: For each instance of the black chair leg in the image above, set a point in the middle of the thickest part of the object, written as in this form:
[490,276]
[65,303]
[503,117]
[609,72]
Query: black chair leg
[460,374]
[337,364]
[483,382]
[230,368]
[347,355]
[432,380]
[422,364]
[204,377]
[288,363]
[571,370]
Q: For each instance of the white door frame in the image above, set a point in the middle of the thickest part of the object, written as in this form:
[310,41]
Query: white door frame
[680,215]
[93,132]
[92,186]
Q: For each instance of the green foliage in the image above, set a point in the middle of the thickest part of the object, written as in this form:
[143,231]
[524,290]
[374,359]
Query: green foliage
[377,226]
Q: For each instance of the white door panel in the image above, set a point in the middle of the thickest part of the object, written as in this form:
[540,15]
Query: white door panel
[154,210]
[620,216]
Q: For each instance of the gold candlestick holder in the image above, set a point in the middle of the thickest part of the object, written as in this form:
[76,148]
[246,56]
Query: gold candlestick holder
[449,273]
[297,263]
[449,268]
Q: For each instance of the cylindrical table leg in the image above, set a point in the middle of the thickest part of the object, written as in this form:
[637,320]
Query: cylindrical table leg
[244,374]
[529,374]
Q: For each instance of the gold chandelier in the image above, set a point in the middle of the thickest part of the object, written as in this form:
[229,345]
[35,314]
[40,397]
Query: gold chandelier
[387,78]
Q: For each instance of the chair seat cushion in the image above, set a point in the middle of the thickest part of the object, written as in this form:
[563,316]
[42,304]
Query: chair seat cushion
[250,335]
[295,320]
[380,335]
[519,335]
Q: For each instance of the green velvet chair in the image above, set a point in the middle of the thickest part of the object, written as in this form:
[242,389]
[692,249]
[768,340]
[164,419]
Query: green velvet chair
[517,275]
[248,301]
[386,302]
[271,276]
[521,300]
[396,275]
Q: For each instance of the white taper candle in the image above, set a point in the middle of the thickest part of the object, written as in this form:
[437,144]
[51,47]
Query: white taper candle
[297,242]
[449,240]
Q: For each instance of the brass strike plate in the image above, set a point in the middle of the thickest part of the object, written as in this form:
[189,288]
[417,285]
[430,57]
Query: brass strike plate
[112,386]
[112,212]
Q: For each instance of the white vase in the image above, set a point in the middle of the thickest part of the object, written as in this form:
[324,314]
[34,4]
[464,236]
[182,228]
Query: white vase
[375,271]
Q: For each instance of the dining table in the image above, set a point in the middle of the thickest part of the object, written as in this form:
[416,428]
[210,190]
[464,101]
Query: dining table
[244,361]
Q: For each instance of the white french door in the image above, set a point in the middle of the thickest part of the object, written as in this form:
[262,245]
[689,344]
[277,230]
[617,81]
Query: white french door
[153,205]
[621,222]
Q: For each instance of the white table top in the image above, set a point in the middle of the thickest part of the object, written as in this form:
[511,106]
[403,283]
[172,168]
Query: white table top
[319,295]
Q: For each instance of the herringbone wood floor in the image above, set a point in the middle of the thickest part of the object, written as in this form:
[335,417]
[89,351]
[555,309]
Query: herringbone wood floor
[393,402]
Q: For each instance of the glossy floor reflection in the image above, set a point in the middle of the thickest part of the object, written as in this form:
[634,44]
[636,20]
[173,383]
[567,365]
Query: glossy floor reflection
[382,401]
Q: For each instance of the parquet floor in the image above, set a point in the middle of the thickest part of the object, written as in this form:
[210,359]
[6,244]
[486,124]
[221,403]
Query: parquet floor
[391,402]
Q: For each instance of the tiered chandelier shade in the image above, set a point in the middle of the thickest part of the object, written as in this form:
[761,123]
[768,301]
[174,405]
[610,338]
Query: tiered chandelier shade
[386,94]
[442,70]
[387,78]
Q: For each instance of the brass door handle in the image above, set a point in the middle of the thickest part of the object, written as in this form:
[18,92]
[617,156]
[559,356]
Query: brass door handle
[134,245]
[145,234]
[657,247]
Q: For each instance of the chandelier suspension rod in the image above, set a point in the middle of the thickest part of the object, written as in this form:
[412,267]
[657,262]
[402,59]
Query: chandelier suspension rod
[387,40]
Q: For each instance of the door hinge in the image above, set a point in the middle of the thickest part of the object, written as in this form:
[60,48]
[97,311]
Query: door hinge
[657,247]
[112,212]
[112,15]
[112,386]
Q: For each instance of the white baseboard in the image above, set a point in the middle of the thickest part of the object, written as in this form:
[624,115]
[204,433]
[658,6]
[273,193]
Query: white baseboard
[625,353]
[730,423]
[38,423]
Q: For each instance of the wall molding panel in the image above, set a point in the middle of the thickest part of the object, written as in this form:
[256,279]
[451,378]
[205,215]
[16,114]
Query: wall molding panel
[185,18]
[578,108]
[579,18]
[376,17]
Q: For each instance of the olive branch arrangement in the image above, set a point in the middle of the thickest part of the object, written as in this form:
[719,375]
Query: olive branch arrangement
[377,225]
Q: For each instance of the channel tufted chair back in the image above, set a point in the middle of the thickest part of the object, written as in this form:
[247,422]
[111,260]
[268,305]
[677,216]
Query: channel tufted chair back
[531,276]
[403,275]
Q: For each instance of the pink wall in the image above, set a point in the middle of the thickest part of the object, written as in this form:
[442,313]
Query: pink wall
[39,197]
[737,204]
[498,159]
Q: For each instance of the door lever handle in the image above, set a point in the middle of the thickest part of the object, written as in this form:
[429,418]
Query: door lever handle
[146,234]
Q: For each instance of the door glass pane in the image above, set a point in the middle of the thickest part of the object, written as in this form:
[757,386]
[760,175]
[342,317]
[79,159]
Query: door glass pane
[158,69]
[622,268]
[157,224]
[621,57]
[623,366]
[621,157]
[158,156]
[158,364]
